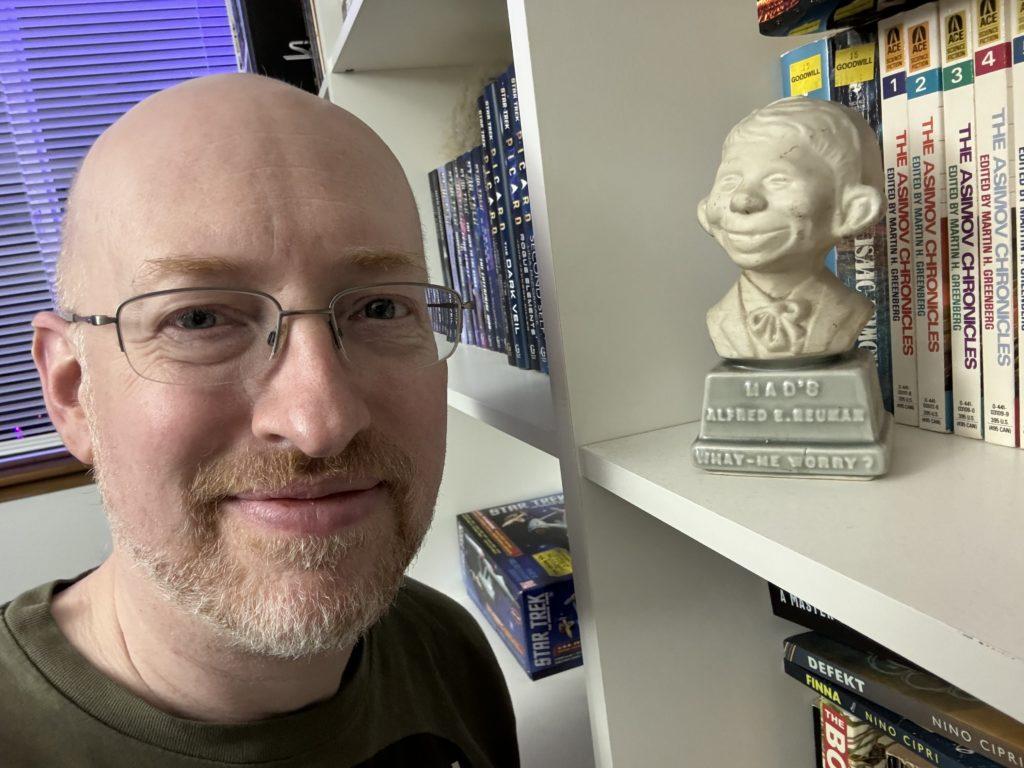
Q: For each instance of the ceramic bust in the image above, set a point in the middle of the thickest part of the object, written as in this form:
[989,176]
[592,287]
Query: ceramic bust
[795,177]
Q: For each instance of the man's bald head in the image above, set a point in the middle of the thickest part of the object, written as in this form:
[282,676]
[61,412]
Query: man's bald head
[209,160]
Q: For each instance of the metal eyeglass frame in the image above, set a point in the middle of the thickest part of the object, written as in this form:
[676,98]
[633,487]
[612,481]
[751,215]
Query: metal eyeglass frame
[274,338]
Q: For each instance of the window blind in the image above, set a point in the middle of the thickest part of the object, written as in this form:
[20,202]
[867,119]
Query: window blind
[68,69]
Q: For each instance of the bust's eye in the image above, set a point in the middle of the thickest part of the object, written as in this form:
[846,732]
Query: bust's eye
[777,181]
[729,181]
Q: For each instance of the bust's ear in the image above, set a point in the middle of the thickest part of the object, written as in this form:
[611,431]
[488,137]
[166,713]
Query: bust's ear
[702,215]
[860,207]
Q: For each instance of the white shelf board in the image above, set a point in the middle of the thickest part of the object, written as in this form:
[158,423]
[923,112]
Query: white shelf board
[483,385]
[409,34]
[929,560]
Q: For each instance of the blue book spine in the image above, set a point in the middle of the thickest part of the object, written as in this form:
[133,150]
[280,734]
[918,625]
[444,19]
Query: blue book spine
[445,176]
[479,227]
[806,71]
[510,167]
[527,213]
[463,237]
[510,262]
[439,227]
[496,265]
[488,275]
[931,747]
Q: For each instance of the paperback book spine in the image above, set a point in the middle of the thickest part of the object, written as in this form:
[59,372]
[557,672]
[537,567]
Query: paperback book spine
[936,750]
[494,266]
[527,214]
[446,175]
[916,700]
[439,228]
[899,237]
[462,238]
[805,71]
[928,187]
[510,167]
[510,269]
[848,741]
[994,143]
[901,757]
[861,259]
[479,229]
[1017,122]
[956,27]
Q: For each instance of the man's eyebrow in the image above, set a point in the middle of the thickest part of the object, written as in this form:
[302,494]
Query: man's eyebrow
[155,269]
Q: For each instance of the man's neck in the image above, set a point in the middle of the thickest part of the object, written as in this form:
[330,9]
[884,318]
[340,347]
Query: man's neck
[118,621]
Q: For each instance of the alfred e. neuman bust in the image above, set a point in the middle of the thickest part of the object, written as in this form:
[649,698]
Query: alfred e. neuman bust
[795,177]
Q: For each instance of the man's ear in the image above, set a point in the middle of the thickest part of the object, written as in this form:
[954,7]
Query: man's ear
[860,207]
[61,377]
[702,215]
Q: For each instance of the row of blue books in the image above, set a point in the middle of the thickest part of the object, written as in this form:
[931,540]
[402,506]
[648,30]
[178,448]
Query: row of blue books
[484,229]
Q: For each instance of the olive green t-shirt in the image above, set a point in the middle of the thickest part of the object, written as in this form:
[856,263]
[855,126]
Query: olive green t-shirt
[421,689]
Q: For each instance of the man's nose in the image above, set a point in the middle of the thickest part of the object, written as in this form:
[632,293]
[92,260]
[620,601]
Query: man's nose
[311,397]
[747,200]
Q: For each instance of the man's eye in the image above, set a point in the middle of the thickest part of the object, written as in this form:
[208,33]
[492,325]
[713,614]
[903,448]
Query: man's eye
[196,318]
[383,309]
[777,180]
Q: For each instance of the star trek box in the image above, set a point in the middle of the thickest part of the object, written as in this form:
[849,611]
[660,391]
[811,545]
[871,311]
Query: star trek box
[517,569]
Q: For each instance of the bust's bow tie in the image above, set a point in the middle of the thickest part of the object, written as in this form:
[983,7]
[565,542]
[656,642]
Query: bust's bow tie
[778,325]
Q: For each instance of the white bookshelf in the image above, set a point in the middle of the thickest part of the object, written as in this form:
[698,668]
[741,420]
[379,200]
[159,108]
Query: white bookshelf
[624,107]
[919,561]
[483,385]
[409,34]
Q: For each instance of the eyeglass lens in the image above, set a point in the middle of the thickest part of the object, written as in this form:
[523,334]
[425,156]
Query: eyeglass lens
[215,336]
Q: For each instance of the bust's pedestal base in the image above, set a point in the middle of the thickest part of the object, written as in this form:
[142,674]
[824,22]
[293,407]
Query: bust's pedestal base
[821,418]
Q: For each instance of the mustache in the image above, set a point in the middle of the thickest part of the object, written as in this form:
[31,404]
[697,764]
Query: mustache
[368,455]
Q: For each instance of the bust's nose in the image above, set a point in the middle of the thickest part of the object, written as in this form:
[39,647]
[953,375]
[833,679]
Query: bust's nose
[747,201]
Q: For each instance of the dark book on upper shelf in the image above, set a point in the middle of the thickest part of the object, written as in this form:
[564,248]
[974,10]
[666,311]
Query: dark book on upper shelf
[788,606]
[778,18]
[913,693]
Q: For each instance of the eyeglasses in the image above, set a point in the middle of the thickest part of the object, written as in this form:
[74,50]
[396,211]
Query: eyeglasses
[205,336]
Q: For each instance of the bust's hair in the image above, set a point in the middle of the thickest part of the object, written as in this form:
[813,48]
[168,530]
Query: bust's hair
[840,136]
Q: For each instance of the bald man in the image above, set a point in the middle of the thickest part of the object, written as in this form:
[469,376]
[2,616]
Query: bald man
[249,355]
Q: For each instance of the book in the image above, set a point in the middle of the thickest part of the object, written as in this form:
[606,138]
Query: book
[848,741]
[928,206]
[791,607]
[504,235]
[526,210]
[900,757]
[510,169]
[495,266]
[934,749]
[816,727]
[806,71]
[1017,102]
[802,17]
[956,23]
[913,693]
[861,261]
[477,228]
[433,179]
[899,237]
[446,183]
[994,144]
[460,226]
